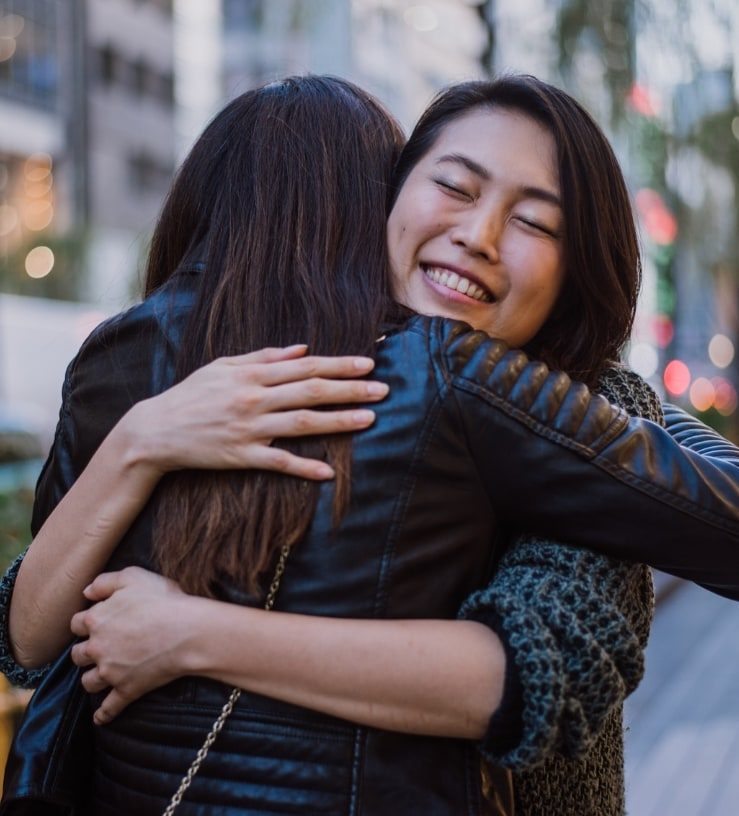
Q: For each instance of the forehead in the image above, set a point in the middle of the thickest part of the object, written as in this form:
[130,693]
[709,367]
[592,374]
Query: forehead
[500,139]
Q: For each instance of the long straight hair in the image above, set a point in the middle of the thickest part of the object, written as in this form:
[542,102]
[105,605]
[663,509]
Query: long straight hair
[284,199]
[594,314]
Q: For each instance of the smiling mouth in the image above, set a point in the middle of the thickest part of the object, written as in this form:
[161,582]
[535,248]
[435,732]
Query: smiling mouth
[457,283]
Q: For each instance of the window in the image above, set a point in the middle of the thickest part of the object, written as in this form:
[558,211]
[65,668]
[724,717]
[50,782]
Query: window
[30,54]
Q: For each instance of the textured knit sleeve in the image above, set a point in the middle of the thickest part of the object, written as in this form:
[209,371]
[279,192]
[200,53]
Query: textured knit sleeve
[16,674]
[574,623]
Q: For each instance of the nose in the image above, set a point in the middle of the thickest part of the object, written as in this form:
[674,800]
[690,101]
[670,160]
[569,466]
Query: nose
[478,233]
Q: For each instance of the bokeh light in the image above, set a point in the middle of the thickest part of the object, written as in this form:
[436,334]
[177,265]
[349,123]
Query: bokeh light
[676,377]
[725,401]
[702,394]
[39,262]
[38,215]
[8,219]
[642,100]
[721,351]
[663,330]
[7,48]
[422,18]
[38,167]
[659,222]
[11,25]
[643,358]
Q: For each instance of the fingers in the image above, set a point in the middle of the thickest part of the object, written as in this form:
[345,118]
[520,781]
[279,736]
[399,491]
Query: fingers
[283,461]
[305,422]
[272,355]
[310,367]
[319,391]
[92,682]
[110,708]
[109,582]
[80,655]
[104,586]
[79,626]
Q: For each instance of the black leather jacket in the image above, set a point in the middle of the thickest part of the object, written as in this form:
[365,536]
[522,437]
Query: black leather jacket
[472,438]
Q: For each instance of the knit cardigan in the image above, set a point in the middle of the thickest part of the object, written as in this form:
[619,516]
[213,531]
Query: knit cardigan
[574,624]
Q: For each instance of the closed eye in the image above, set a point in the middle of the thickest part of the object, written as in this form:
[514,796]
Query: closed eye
[539,227]
[453,189]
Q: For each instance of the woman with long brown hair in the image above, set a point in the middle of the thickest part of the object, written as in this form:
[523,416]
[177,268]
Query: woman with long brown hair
[542,432]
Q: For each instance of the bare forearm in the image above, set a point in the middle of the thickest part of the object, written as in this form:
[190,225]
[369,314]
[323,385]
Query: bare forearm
[442,678]
[74,545]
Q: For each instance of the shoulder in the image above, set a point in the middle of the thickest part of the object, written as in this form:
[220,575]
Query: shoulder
[451,344]
[139,333]
[625,388]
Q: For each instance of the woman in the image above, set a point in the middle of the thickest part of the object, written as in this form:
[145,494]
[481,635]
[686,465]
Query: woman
[559,517]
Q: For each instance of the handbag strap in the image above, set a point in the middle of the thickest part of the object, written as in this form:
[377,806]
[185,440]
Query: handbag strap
[230,703]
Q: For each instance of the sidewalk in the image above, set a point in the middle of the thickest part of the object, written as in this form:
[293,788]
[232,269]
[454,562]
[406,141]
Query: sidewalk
[682,742]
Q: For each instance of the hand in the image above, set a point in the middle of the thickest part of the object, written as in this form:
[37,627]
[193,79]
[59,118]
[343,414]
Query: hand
[133,630]
[227,414]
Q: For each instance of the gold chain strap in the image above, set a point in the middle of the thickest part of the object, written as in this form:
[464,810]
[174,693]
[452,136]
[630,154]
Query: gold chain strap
[230,703]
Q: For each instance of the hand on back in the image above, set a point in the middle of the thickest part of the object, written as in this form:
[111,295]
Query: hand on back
[227,414]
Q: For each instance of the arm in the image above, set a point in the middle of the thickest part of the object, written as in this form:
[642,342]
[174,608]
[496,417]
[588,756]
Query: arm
[416,676]
[575,624]
[618,644]
[225,415]
[599,478]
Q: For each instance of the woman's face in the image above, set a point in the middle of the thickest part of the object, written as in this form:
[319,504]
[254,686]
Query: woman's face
[475,232]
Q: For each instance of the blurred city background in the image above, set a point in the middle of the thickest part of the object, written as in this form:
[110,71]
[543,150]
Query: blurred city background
[100,100]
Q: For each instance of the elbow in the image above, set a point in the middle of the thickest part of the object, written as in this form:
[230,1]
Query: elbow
[27,649]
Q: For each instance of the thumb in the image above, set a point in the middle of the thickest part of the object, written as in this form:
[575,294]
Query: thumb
[104,586]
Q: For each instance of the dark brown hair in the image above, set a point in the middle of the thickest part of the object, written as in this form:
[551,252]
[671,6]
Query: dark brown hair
[284,199]
[595,311]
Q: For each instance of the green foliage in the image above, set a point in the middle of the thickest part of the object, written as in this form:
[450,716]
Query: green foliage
[65,279]
[17,446]
[606,26]
[15,523]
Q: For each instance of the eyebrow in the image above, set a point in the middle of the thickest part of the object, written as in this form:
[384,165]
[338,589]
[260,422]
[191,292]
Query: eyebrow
[525,191]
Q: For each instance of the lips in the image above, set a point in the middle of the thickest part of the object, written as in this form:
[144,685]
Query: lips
[456,281]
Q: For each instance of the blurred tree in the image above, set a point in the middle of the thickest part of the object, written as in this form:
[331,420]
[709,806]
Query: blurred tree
[606,27]
[63,282]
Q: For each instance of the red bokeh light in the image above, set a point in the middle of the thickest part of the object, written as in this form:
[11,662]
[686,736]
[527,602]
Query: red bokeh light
[663,330]
[676,377]
[642,100]
[660,224]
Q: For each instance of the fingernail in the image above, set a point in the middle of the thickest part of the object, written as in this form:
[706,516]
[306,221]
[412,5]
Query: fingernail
[363,416]
[325,472]
[296,346]
[377,389]
[364,363]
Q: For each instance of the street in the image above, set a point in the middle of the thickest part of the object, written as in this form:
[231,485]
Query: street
[682,740]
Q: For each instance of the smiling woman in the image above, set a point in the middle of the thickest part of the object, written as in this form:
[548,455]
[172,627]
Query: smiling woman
[475,230]
[473,446]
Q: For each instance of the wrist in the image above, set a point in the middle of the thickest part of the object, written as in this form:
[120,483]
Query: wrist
[139,447]
[196,654]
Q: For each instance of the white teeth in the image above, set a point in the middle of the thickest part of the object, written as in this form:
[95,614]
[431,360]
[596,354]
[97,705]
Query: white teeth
[454,281]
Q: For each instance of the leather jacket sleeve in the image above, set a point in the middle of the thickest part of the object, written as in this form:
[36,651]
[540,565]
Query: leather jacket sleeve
[111,372]
[542,443]
[574,624]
